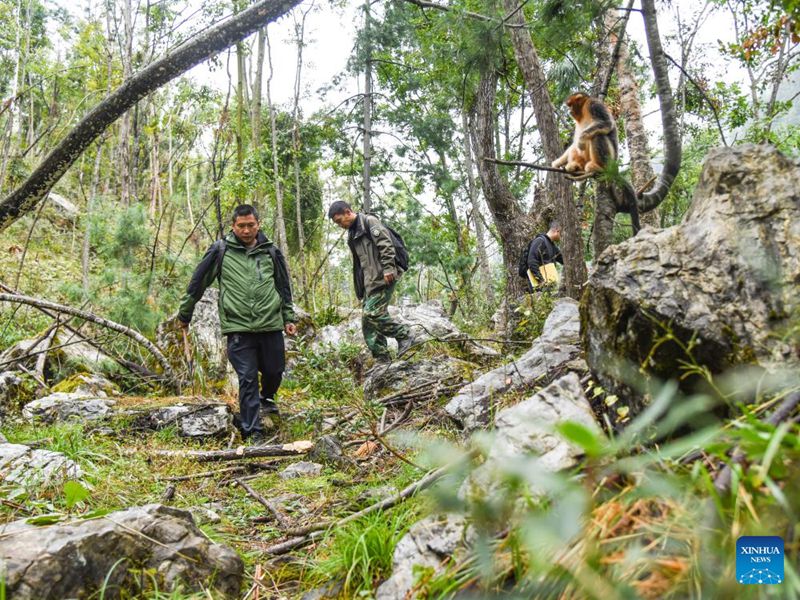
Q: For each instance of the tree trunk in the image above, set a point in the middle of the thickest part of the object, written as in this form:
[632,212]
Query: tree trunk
[85,264]
[672,139]
[635,133]
[367,201]
[296,149]
[202,47]
[480,235]
[125,152]
[240,106]
[280,223]
[513,225]
[255,111]
[560,189]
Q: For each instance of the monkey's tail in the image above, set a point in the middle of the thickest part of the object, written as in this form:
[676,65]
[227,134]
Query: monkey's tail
[632,204]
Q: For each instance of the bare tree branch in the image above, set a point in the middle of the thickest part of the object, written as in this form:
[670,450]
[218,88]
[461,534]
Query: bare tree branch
[87,316]
[204,46]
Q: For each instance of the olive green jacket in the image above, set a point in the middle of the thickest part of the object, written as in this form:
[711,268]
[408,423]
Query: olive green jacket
[373,254]
[255,295]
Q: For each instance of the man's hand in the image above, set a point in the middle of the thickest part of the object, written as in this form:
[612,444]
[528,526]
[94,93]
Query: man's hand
[388,278]
[290,328]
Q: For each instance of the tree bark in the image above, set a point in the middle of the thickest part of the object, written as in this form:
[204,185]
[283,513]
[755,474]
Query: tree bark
[204,46]
[85,264]
[296,150]
[366,204]
[672,139]
[513,225]
[635,133]
[125,151]
[560,196]
[280,223]
[480,234]
[255,113]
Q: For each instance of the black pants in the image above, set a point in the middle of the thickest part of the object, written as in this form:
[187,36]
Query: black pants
[251,354]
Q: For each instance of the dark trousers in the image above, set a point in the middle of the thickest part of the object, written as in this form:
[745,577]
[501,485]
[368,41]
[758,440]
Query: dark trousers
[251,354]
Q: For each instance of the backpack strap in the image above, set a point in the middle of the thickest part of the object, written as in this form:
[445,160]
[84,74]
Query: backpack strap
[281,274]
[221,246]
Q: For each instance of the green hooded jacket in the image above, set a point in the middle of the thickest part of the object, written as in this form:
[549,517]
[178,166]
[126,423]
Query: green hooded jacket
[255,294]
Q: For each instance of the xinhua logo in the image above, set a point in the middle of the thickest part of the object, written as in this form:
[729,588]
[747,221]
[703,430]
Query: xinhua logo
[759,559]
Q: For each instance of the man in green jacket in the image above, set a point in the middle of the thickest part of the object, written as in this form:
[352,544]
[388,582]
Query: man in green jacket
[255,308]
[375,275]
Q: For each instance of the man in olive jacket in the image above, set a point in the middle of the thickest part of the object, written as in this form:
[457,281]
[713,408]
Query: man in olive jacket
[375,275]
[255,308]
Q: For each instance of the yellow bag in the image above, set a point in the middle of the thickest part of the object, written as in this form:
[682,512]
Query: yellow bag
[549,275]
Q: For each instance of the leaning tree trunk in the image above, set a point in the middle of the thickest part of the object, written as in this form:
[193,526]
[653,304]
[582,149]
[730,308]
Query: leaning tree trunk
[560,189]
[280,223]
[480,235]
[642,172]
[204,46]
[513,225]
[672,139]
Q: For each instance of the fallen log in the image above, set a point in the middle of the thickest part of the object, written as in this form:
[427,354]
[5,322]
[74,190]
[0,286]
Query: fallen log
[242,452]
[306,535]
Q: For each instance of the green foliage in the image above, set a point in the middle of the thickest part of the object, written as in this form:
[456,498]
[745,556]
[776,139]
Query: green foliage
[360,553]
[74,493]
[680,195]
[532,313]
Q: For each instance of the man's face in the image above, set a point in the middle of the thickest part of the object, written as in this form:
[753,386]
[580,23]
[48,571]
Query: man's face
[345,219]
[246,228]
[556,235]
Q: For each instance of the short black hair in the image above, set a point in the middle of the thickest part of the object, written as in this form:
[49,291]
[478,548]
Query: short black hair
[338,208]
[243,210]
[555,225]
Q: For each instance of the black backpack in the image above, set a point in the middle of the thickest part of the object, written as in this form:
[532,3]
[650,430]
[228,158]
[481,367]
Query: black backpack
[522,263]
[400,251]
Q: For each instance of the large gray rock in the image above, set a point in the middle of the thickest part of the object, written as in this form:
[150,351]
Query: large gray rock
[328,450]
[193,421]
[75,349]
[400,375]
[64,208]
[69,349]
[727,277]
[528,429]
[523,431]
[425,321]
[35,468]
[426,545]
[206,339]
[76,560]
[62,406]
[552,354]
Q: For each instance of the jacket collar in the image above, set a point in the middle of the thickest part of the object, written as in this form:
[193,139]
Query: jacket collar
[261,240]
[357,228]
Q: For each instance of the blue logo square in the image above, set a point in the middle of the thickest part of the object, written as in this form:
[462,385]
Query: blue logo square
[759,559]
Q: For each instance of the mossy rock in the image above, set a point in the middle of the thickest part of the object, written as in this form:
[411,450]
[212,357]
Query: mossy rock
[16,389]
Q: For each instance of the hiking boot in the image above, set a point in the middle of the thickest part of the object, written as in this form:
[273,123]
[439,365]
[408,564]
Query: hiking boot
[404,345]
[268,407]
